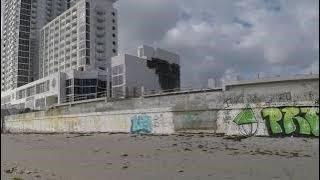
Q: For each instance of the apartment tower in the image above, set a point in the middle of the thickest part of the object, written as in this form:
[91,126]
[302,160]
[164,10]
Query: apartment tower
[83,38]
[22,21]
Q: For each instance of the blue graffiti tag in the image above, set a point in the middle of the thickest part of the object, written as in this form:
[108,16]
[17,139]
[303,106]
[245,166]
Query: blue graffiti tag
[141,124]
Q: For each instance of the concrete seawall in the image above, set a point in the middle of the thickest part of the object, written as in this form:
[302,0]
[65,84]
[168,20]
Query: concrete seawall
[285,108]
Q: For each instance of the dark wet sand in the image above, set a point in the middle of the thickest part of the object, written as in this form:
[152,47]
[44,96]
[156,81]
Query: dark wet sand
[187,157]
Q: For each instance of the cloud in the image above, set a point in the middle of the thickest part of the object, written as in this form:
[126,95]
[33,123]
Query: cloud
[226,38]
[145,21]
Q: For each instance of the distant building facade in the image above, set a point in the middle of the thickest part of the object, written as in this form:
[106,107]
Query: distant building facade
[152,70]
[83,38]
[22,20]
[58,88]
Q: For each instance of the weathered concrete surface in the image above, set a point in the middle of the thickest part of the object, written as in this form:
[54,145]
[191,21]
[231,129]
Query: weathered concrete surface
[156,120]
[188,157]
[236,111]
[115,121]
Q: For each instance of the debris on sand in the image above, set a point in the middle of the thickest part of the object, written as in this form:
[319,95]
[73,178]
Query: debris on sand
[11,170]
[235,138]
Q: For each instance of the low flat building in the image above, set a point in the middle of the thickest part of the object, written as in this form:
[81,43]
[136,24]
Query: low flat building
[152,70]
[60,87]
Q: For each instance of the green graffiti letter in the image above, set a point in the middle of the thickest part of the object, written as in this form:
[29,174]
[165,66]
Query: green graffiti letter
[275,115]
[313,119]
[245,117]
[290,112]
[303,125]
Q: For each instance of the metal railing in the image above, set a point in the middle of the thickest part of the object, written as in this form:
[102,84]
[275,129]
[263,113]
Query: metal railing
[118,95]
[73,98]
[178,90]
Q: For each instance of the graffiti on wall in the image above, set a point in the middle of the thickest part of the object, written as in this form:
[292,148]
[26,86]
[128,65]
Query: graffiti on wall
[192,120]
[268,98]
[246,121]
[297,121]
[158,121]
[141,124]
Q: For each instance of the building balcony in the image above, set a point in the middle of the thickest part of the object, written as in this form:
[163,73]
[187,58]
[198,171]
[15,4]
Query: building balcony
[100,33]
[100,56]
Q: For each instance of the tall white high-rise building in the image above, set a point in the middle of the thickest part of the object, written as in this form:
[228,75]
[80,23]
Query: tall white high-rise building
[22,21]
[83,38]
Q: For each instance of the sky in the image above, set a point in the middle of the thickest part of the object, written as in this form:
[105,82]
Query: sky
[224,39]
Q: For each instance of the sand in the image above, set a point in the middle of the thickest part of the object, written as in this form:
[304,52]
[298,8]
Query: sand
[187,157]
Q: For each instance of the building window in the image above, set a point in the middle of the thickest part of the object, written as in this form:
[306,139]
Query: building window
[25,23]
[24,35]
[22,78]
[68,91]
[77,82]
[23,42]
[89,90]
[23,72]
[102,84]
[26,6]
[42,87]
[87,20]
[30,91]
[25,17]
[77,90]
[87,36]
[23,66]
[82,53]
[68,82]
[117,69]
[40,102]
[23,48]
[88,44]
[23,54]
[87,28]
[117,80]
[88,52]
[25,28]
[117,91]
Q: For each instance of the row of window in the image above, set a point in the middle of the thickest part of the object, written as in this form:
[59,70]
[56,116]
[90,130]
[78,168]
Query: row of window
[117,91]
[86,82]
[37,89]
[81,90]
[117,69]
[117,80]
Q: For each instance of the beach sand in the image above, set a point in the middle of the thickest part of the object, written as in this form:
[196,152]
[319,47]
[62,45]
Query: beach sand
[180,156]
